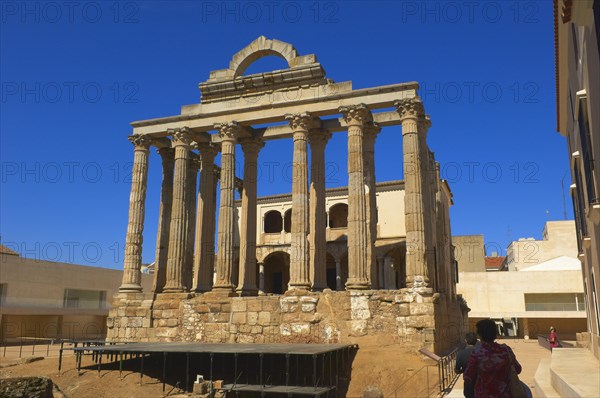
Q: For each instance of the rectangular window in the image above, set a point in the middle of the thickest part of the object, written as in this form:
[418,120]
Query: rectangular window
[2,293]
[579,207]
[85,299]
[554,302]
[575,46]
[586,152]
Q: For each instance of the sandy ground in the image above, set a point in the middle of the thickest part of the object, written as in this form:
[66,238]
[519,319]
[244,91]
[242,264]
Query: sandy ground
[387,365]
[396,370]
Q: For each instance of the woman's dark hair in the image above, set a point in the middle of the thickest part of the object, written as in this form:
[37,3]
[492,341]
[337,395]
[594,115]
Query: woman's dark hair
[486,329]
[470,338]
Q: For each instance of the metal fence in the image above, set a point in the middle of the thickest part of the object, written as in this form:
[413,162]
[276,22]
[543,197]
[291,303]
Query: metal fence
[434,384]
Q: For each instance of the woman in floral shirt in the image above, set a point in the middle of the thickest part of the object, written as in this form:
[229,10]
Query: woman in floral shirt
[489,364]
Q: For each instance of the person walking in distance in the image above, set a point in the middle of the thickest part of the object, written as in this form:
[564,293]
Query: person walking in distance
[553,338]
[462,359]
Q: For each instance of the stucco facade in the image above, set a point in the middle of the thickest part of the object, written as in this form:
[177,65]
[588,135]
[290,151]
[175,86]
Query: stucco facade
[558,239]
[46,299]
[576,34]
[540,287]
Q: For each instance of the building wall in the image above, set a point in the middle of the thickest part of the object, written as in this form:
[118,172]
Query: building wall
[578,103]
[33,293]
[502,294]
[558,239]
[567,328]
[83,327]
[469,252]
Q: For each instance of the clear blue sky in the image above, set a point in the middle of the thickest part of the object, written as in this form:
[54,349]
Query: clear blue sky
[74,75]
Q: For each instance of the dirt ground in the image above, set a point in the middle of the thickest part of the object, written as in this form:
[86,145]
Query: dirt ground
[386,364]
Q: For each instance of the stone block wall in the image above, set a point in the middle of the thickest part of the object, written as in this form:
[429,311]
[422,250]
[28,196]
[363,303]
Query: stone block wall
[422,319]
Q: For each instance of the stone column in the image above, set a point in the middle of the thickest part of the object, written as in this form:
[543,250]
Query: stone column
[261,278]
[178,229]
[359,267]
[338,274]
[428,191]
[137,206]
[318,214]
[417,273]
[380,273]
[300,123]
[190,221]
[164,220]
[525,322]
[389,274]
[247,271]
[228,132]
[204,260]
[370,134]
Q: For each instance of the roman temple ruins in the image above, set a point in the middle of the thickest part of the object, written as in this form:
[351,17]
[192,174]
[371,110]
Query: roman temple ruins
[316,265]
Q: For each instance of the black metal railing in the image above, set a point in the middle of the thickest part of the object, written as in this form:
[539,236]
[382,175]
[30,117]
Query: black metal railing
[434,386]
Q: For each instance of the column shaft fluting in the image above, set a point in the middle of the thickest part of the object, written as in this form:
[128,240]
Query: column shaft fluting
[318,215]
[427,168]
[190,221]
[358,261]
[204,259]
[370,136]
[225,255]
[300,256]
[417,274]
[137,206]
[178,229]
[164,219]
[261,278]
[247,272]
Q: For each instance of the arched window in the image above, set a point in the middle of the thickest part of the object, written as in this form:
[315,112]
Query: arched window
[338,216]
[287,220]
[273,222]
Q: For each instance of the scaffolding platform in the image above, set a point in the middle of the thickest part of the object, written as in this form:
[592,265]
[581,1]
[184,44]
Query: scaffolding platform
[278,368]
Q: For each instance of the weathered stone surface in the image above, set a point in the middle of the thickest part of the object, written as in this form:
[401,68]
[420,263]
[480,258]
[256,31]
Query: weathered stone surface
[264,318]
[404,309]
[359,307]
[372,392]
[238,305]
[288,304]
[404,298]
[252,318]
[421,309]
[30,387]
[238,317]
[358,328]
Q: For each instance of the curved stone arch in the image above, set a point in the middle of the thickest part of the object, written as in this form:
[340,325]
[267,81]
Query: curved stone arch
[265,251]
[272,222]
[261,47]
[338,215]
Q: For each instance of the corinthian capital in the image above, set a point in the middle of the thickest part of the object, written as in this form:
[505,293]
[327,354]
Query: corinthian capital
[181,136]
[372,130]
[318,137]
[140,141]
[251,145]
[424,123]
[356,114]
[410,108]
[228,131]
[208,150]
[300,121]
